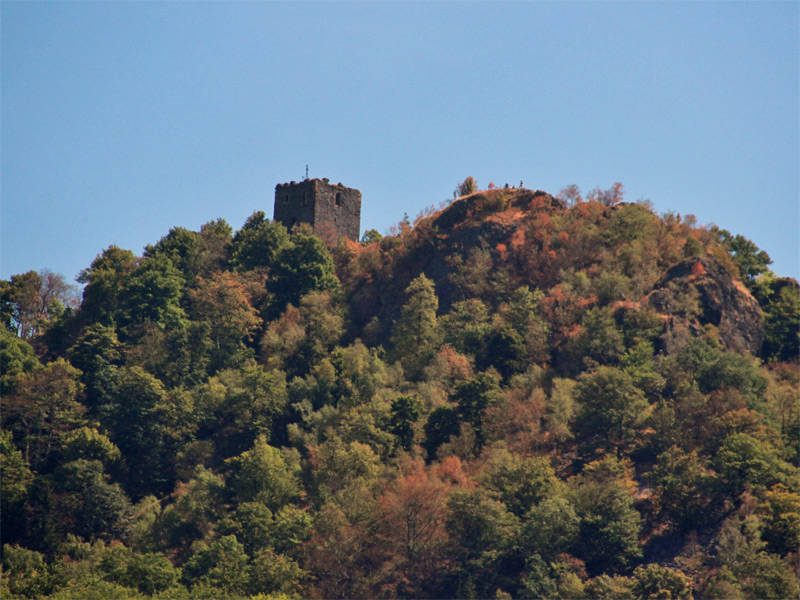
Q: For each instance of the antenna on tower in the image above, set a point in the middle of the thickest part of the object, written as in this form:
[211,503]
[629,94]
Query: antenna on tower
[306,172]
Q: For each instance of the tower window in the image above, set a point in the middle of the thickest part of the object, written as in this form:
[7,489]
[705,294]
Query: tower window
[305,198]
[286,199]
[338,198]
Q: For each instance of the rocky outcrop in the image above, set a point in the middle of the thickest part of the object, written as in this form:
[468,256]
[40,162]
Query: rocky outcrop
[486,202]
[698,292]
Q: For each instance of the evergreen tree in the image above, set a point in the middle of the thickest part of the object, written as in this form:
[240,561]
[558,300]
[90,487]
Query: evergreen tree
[416,333]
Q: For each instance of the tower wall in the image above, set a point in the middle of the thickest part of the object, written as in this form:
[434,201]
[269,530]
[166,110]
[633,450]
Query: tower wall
[321,205]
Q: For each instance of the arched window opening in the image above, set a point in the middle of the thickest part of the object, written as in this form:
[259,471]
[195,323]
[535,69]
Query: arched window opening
[338,198]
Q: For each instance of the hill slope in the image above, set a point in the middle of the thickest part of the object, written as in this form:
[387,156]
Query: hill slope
[516,396]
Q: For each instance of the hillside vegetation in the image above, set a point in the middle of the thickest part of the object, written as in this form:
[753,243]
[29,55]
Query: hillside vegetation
[515,396]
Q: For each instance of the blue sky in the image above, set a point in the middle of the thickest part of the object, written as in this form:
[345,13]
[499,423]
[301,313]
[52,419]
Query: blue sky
[121,120]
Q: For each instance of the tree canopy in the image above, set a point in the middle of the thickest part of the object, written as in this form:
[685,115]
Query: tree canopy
[513,395]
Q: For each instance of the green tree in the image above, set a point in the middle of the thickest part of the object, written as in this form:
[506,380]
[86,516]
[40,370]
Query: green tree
[16,474]
[275,575]
[221,300]
[610,586]
[199,505]
[683,489]
[16,358]
[342,467]
[749,258]
[780,300]
[302,336]
[609,525]
[370,236]
[147,424]
[638,362]
[151,573]
[406,411]
[15,480]
[472,398]
[303,266]
[213,247]
[86,504]
[481,531]
[89,444]
[466,325]
[258,243]
[600,342]
[152,293]
[221,565]
[560,409]
[292,527]
[416,337]
[466,187]
[180,246]
[504,349]
[539,579]
[262,475]
[752,571]
[25,572]
[655,581]
[97,353]
[237,406]
[780,512]
[730,370]
[105,281]
[252,523]
[179,357]
[743,460]
[550,528]
[524,313]
[520,482]
[631,222]
[767,576]
[43,407]
[442,424]
[611,408]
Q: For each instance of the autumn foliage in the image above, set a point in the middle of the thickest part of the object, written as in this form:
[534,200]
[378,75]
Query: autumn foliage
[512,395]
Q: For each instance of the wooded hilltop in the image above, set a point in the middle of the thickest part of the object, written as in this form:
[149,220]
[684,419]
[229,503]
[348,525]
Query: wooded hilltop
[517,395]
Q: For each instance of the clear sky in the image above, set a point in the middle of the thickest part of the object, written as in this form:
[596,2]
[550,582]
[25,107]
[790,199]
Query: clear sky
[121,120]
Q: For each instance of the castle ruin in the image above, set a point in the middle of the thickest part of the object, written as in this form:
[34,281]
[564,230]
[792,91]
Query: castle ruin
[321,204]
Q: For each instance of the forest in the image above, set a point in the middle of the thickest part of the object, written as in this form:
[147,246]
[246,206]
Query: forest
[514,395]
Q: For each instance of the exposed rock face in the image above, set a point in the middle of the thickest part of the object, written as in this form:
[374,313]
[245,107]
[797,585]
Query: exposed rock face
[699,291]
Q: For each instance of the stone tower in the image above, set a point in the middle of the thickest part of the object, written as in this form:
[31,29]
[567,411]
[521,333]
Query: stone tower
[322,205]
